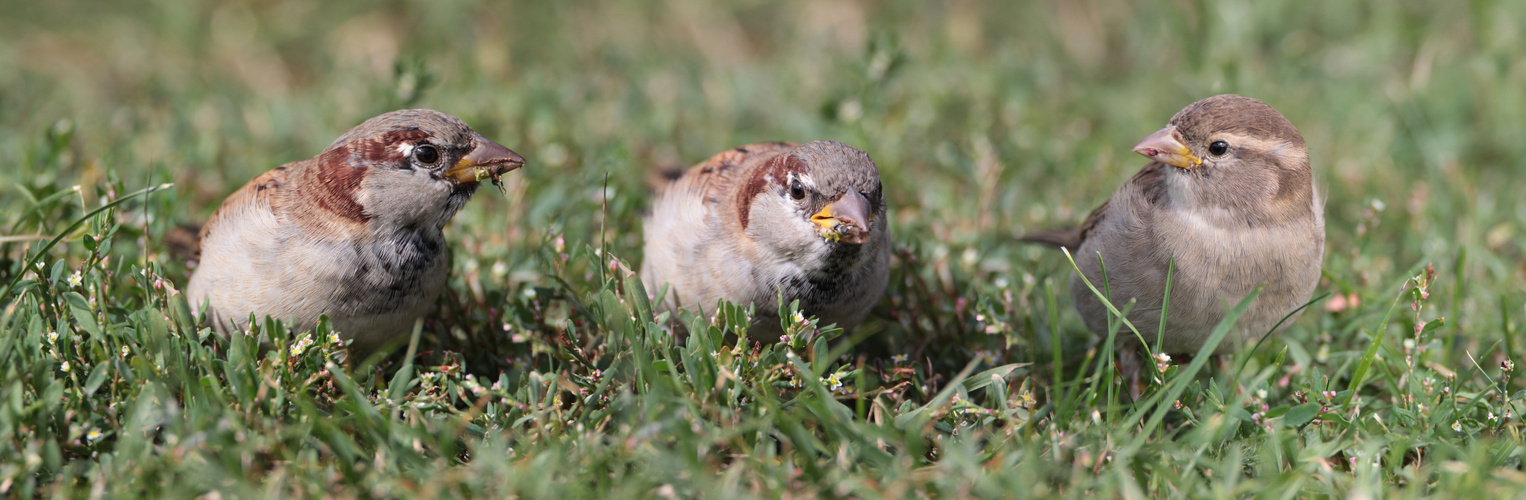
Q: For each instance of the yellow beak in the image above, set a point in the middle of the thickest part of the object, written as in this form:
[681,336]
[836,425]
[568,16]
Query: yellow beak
[487,160]
[846,220]
[1164,146]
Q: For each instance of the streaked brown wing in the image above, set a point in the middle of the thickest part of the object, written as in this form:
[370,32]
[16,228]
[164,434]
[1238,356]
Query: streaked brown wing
[714,178]
[255,195]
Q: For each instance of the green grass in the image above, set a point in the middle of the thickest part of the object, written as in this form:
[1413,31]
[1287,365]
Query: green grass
[543,373]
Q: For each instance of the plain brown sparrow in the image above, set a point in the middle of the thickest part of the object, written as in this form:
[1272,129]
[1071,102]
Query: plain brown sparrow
[1229,198]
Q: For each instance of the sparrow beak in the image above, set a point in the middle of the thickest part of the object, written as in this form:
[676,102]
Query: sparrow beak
[487,160]
[1165,147]
[846,220]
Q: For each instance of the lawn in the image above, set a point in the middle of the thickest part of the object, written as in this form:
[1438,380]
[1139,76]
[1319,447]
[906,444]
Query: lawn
[543,372]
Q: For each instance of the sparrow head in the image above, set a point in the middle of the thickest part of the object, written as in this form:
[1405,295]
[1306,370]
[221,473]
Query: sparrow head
[412,167]
[1233,150]
[821,195]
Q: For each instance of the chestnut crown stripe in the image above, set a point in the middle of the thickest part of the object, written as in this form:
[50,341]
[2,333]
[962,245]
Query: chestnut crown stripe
[341,168]
[776,171]
[385,150]
[338,181]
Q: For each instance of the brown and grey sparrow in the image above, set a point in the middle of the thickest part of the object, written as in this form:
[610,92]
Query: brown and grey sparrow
[768,221]
[353,233]
[1229,198]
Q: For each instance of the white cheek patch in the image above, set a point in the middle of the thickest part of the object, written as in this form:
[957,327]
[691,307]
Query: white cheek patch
[405,148]
[796,222]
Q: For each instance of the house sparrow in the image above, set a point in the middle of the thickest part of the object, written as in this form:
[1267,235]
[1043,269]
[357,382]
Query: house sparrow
[772,221]
[353,233]
[1229,197]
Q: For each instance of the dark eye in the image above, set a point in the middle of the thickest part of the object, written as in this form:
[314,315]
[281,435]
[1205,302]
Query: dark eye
[796,190]
[426,154]
[1218,148]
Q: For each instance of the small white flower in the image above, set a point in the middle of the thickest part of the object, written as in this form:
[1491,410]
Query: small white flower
[1493,418]
[93,435]
[125,351]
[64,367]
[797,317]
[1162,362]
[52,338]
[301,345]
[834,382]
[898,359]
[76,279]
[1456,426]
[1261,393]
[334,338]
[471,384]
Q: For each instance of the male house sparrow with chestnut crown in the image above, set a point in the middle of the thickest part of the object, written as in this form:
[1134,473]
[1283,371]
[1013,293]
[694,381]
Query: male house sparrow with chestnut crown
[353,233]
[772,220]
[1229,197]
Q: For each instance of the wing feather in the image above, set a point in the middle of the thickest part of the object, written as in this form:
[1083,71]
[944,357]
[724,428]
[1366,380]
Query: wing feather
[1149,183]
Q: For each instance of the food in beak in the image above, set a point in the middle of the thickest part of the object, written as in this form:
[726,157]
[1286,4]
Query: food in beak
[489,160]
[845,220]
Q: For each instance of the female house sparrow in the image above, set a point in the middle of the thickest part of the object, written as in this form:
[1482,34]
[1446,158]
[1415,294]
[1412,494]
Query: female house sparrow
[772,220]
[1230,199]
[353,233]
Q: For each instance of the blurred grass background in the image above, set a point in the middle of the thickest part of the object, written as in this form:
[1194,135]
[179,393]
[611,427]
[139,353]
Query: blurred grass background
[987,119]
